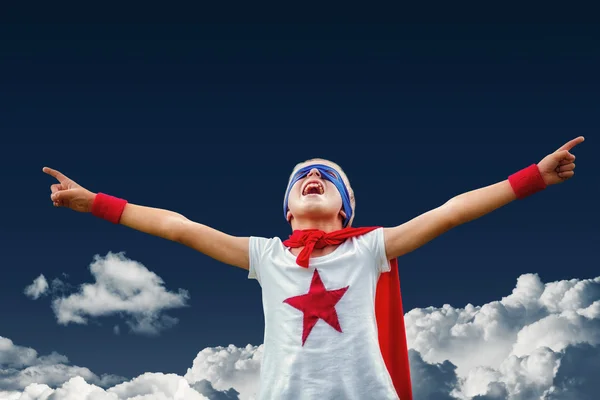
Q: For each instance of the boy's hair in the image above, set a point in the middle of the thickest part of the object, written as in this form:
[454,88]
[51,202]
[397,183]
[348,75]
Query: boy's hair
[337,168]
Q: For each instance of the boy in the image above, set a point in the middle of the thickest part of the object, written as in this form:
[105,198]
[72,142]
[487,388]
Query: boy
[322,288]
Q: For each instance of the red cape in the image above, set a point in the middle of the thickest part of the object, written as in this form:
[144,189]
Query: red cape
[392,331]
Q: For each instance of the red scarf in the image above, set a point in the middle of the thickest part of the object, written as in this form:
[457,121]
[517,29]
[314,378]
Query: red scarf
[388,303]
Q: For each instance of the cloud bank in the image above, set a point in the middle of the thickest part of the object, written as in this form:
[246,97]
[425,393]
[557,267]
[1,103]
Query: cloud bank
[21,367]
[540,342]
[123,288]
[512,348]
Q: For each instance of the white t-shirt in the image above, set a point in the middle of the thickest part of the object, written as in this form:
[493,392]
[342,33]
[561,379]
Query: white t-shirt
[344,365]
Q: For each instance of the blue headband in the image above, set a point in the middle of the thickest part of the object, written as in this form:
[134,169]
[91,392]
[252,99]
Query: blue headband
[326,173]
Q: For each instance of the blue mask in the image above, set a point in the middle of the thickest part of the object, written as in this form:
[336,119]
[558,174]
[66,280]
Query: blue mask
[326,173]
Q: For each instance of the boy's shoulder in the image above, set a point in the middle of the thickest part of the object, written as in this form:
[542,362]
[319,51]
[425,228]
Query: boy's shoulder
[371,240]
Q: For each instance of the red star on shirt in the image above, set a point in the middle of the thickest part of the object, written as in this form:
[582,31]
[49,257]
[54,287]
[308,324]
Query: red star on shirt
[317,303]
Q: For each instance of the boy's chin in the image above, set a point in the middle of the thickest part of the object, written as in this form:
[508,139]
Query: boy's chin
[314,201]
[315,204]
[319,211]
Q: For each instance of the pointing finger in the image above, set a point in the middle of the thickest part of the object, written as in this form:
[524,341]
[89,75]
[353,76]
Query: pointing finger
[571,143]
[52,172]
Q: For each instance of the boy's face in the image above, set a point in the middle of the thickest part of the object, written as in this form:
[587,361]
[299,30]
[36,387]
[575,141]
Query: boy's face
[313,196]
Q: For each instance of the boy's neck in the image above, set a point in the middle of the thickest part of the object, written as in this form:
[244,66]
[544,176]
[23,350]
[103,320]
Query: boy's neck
[325,226]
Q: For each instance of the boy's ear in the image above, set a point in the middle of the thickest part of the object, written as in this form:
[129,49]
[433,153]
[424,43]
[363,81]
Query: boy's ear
[289,216]
[343,214]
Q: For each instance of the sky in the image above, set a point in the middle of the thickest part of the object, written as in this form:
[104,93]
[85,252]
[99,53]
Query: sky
[209,120]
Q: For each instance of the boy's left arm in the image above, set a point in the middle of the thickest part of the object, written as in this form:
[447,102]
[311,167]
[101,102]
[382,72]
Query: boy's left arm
[402,239]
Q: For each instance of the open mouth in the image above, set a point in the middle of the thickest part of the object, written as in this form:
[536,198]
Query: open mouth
[313,187]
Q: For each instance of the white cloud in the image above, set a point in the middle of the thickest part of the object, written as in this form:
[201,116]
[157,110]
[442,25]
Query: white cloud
[513,346]
[38,288]
[12,356]
[153,386]
[540,342]
[11,395]
[533,315]
[122,288]
[74,388]
[148,386]
[22,366]
[229,367]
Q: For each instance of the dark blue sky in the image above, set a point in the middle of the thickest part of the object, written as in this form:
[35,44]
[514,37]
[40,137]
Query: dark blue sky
[209,120]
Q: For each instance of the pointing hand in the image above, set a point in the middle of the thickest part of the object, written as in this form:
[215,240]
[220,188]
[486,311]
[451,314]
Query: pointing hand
[67,193]
[557,167]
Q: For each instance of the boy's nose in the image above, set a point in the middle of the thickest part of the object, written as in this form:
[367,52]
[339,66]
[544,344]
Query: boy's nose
[314,171]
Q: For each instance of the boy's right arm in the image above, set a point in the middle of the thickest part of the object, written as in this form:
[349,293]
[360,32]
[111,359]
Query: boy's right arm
[170,225]
[158,222]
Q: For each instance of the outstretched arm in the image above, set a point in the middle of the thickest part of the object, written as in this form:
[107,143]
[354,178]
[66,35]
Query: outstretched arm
[554,168]
[222,247]
[157,222]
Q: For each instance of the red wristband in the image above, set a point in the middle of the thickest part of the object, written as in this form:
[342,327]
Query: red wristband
[527,181]
[108,207]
